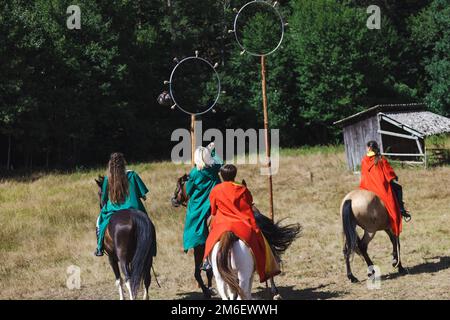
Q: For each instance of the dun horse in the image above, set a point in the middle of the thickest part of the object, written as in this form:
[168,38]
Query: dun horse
[130,241]
[365,209]
[234,280]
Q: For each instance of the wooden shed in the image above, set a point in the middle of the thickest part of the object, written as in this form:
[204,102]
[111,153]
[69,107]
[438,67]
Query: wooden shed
[399,129]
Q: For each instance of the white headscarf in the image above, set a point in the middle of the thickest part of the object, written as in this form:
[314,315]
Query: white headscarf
[203,158]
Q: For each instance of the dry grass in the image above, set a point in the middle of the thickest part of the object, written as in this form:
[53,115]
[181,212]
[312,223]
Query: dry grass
[48,224]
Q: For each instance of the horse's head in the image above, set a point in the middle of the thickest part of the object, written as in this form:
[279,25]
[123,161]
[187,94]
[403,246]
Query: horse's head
[180,197]
[99,182]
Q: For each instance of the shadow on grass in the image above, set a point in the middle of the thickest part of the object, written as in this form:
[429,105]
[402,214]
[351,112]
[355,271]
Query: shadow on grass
[194,296]
[291,293]
[426,267]
[287,292]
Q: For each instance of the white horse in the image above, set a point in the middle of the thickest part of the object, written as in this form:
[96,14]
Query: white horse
[233,268]
[233,263]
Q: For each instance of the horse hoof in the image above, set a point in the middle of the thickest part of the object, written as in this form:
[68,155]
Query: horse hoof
[353,279]
[207,294]
[394,263]
[212,291]
[277,297]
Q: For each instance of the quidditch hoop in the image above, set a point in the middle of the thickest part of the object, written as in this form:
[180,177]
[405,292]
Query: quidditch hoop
[216,76]
[276,12]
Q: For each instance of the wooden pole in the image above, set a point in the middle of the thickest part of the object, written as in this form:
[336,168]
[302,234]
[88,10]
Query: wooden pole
[266,135]
[192,139]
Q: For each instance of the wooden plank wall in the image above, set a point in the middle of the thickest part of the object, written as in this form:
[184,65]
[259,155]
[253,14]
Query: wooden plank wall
[356,136]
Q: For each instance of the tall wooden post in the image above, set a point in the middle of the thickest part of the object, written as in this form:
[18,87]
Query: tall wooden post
[193,143]
[266,135]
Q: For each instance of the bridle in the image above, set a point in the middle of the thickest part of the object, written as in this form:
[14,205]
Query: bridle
[180,197]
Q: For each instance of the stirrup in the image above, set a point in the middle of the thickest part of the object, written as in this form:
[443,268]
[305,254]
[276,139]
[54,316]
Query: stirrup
[406,216]
[98,253]
[206,266]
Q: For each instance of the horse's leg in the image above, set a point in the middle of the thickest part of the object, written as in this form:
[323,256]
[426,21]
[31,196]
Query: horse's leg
[221,286]
[115,267]
[274,290]
[147,278]
[122,255]
[401,270]
[393,239]
[209,275]
[396,261]
[362,247]
[350,275]
[199,252]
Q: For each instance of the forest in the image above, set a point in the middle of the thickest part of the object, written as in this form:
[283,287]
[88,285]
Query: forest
[70,97]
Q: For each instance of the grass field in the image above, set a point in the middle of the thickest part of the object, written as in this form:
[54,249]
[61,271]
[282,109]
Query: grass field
[47,223]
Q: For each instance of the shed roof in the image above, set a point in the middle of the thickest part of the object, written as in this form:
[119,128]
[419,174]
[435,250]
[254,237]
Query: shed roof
[386,108]
[412,115]
[426,122]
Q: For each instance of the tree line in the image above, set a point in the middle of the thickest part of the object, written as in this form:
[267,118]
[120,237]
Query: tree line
[70,97]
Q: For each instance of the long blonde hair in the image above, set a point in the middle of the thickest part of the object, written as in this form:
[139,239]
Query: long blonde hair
[117,178]
[203,158]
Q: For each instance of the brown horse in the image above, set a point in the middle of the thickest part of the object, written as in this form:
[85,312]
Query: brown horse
[365,209]
[130,241]
[279,237]
[180,198]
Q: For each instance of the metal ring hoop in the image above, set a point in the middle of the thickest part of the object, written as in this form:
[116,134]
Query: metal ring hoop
[276,12]
[218,84]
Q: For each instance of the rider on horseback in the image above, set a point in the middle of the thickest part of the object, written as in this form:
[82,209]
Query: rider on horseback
[202,179]
[232,211]
[375,171]
[122,189]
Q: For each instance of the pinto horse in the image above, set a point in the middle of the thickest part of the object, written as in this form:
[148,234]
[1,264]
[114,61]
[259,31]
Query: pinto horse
[130,241]
[364,208]
[279,238]
[233,262]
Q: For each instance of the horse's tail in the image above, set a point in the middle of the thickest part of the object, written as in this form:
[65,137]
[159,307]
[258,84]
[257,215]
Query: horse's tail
[349,228]
[223,262]
[145,248]
[279,237]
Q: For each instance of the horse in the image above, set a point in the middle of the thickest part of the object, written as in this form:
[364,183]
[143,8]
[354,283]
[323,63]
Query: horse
[130,241]
[233,262]
[365,209]
[180,198]
[279,238]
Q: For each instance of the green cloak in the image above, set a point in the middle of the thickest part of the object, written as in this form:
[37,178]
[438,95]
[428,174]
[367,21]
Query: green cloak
[198,187]
[137,191]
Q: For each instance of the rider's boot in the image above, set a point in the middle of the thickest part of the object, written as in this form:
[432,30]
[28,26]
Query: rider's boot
[98,252]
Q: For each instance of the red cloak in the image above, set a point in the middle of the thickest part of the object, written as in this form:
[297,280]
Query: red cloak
[231,208]
[377,178]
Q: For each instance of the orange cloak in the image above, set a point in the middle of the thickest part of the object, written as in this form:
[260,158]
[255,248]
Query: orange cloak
[377,178]
[231,210]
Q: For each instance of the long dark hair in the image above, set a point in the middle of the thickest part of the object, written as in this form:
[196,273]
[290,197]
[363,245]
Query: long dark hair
[117,178]
[373,145]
